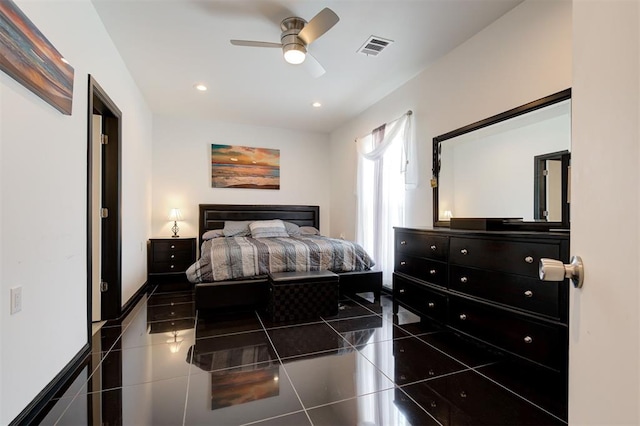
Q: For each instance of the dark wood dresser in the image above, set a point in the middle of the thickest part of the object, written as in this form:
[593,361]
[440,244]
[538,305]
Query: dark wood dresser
[169,258]
[485,285]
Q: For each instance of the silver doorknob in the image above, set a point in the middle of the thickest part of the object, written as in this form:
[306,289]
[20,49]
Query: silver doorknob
[555,270]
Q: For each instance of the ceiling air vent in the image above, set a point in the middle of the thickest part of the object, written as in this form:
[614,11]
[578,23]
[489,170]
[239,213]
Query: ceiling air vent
[374,45]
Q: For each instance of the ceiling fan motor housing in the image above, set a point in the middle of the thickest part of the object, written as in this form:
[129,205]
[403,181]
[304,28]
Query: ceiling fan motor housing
[291,27]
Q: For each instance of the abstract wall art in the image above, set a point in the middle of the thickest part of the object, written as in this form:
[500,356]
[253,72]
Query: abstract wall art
[27,56]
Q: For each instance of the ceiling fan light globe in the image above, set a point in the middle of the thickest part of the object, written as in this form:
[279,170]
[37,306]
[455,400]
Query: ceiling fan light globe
[294,55]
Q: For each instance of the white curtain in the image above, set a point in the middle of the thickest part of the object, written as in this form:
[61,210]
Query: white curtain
[386,168]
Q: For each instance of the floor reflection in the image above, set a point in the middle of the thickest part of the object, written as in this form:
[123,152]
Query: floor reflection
[166,365]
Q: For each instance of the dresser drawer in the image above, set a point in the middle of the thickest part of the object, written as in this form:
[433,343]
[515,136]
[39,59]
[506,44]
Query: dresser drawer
[419,297]
[422,244]
[171,250]
[432,271]
[169,267]
[520,292]
[504,256]
[542,343]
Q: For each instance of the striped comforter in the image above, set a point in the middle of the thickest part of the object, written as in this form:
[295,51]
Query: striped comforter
[243,257]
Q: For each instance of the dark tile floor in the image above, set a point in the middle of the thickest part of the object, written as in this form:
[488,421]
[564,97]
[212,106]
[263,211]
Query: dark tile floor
[166,365]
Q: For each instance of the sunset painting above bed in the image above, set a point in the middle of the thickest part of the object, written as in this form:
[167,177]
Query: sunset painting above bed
[244,167]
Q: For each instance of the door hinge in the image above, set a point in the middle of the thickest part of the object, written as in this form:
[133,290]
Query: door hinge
[545,214]
[104,139]
[104,286]
[104,213]
[545,173]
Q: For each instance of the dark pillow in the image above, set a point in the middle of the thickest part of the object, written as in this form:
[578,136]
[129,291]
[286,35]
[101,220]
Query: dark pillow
[292,229]
[237,228]
[309,230]
[214,233]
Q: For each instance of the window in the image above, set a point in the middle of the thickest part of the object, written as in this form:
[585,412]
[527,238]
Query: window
[383,176]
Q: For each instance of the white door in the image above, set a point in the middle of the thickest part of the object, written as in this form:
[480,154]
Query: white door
[604,375]
[96,220]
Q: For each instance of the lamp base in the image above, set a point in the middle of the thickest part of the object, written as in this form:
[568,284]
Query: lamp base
[175,230]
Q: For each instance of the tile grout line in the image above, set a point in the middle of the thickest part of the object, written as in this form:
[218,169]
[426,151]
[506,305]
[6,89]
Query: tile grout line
[102,358]
[186,397]
[283,368]
[393,382]
[518,395]
[499,384]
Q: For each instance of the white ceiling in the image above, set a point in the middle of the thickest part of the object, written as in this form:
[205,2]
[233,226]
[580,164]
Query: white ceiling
[169,46]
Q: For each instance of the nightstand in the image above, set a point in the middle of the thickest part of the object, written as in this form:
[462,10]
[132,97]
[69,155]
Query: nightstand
[169,258]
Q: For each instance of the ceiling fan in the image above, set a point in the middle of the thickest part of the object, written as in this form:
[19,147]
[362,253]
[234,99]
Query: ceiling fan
[297,34]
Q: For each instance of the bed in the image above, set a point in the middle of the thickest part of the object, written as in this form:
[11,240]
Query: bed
[231,291]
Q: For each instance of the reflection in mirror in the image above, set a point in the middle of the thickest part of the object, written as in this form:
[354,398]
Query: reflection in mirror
[551,186]
[484,170]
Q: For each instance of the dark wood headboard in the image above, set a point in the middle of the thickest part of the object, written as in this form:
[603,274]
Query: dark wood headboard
[213,216]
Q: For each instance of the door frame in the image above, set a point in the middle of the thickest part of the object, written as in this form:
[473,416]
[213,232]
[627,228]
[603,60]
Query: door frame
[100,103]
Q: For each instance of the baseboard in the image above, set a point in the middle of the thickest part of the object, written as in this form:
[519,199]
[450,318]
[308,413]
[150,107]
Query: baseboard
[33,413]
[133,301]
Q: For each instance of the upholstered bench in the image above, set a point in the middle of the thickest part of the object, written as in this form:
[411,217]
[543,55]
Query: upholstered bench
[302,295]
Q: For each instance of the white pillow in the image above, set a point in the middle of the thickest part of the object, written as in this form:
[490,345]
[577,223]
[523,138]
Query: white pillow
[268,229]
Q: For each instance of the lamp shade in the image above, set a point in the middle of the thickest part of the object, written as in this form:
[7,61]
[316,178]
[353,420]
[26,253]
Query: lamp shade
[175,214]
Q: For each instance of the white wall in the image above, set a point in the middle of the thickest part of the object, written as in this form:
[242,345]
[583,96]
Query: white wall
[523,56]
[182,169]
[604,355]
[43,173]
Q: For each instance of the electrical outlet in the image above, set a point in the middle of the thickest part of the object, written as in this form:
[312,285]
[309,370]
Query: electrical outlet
[16,300]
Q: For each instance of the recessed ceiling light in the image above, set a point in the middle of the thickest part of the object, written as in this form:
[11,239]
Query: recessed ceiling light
[316,104]
[200,87]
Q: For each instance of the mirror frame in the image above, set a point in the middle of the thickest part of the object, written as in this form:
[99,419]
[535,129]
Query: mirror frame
[515,112]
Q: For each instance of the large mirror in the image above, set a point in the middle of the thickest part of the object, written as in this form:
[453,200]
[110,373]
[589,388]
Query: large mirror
[513,166]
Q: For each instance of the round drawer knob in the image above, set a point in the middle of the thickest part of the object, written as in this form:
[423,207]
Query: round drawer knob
[403,243]
[528,293]
[431,305]
[463,317]
[528,259]
[433,247]
[464,252]
[402,263]
[172,266]
[432,373]
[433,404]
[463,394]
[528,339]
[402,290]
[433,271]
[463,280]
[173,256]
[172,246]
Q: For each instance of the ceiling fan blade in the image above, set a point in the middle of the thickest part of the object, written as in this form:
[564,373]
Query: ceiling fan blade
[318,25]
[313,67]
[249,43]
